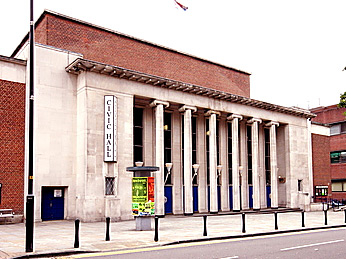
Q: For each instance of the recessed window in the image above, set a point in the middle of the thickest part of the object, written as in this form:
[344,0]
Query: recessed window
[110,183]
[300,185]
[338,157]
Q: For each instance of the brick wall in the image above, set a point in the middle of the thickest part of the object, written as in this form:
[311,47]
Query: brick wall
[12,140]
[115,49]
[328,114]
[321,161]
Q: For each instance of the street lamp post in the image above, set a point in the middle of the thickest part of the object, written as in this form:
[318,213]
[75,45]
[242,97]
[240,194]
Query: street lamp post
[29,240]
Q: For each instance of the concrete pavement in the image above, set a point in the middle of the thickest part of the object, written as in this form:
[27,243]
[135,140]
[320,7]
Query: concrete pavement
[54,237]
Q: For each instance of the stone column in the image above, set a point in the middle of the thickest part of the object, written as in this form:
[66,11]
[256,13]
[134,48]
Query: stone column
[235,160]
[255,164]
[188,198]
[273,164]
[213,160]
[159,156]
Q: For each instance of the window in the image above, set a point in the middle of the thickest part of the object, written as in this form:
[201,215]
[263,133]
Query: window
[339,185]
[300,185]
[137,134]
[110,183]
[167,144]
[207,149]
[267,155]
[229,143]
[338,157]
[337,129]
[249,153]
[194,146]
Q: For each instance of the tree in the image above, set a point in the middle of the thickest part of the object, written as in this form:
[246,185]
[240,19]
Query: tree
[342,103]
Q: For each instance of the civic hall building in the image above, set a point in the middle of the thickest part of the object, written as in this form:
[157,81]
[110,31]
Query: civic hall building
[105,100]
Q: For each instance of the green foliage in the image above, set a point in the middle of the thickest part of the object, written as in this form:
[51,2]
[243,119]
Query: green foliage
[342,103]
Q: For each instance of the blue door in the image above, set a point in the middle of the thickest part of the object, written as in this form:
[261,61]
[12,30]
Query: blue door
[219,197]
[268,196]
[195,198]
[168,200]
[231,197]
[52,203]
[250,197]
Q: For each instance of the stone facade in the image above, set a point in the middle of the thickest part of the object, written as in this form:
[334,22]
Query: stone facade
[250,154]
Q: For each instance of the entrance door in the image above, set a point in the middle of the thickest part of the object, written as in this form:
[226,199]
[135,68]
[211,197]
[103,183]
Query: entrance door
[168,199]
[195,198]
[250,197]
[268,196]
[52,203]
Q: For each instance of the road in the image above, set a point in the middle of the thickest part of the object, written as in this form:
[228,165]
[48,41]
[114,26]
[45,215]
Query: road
[314,244]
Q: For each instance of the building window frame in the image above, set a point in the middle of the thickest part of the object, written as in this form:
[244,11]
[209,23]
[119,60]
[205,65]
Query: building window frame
[109,186]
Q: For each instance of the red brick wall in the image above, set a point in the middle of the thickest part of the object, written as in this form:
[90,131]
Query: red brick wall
[321,161]
[114,49]
[329,114]
[12,140]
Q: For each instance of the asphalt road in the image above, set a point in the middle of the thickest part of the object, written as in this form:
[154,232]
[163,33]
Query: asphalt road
[324,244]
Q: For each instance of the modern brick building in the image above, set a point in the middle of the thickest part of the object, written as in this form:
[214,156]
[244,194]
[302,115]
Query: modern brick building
[329,153]
[104,100]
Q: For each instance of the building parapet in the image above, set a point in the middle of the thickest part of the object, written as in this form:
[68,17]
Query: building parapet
[81,64]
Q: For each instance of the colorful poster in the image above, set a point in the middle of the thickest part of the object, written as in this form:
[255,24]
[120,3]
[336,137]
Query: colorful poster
[143,196]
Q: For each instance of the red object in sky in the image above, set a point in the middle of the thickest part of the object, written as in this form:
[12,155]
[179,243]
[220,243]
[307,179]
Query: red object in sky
[181,6]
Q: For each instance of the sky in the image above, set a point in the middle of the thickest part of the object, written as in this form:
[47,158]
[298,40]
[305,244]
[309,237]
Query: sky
[295,50]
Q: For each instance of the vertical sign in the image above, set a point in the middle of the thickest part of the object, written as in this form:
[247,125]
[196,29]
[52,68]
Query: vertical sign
[110,130]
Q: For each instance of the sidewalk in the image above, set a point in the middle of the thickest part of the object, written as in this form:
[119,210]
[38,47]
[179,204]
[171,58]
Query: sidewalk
[58,236]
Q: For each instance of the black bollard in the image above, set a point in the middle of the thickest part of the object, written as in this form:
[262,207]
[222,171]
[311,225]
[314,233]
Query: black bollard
[276,220]
[303,220]
[76,233]
[156,237]
[243,221]
[325,217]
[345,215]
[205,225]
[108,220]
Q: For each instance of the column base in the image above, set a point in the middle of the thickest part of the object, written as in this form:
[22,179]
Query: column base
[274,208]
[256,209]
[160,216]
[213,212]
[236,210]
[188,214]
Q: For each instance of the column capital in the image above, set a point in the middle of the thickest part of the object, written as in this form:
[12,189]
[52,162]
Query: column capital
[187,107]
[252,120]
[272,123]
[234,116]
[210,112]
[159,102]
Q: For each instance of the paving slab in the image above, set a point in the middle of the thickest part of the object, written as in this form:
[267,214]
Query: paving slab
[53,237]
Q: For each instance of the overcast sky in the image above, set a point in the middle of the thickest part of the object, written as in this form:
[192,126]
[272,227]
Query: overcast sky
[295,50]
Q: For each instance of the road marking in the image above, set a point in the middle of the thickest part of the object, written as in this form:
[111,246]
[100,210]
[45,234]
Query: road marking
[136,250]
[232,257]
[316,244]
